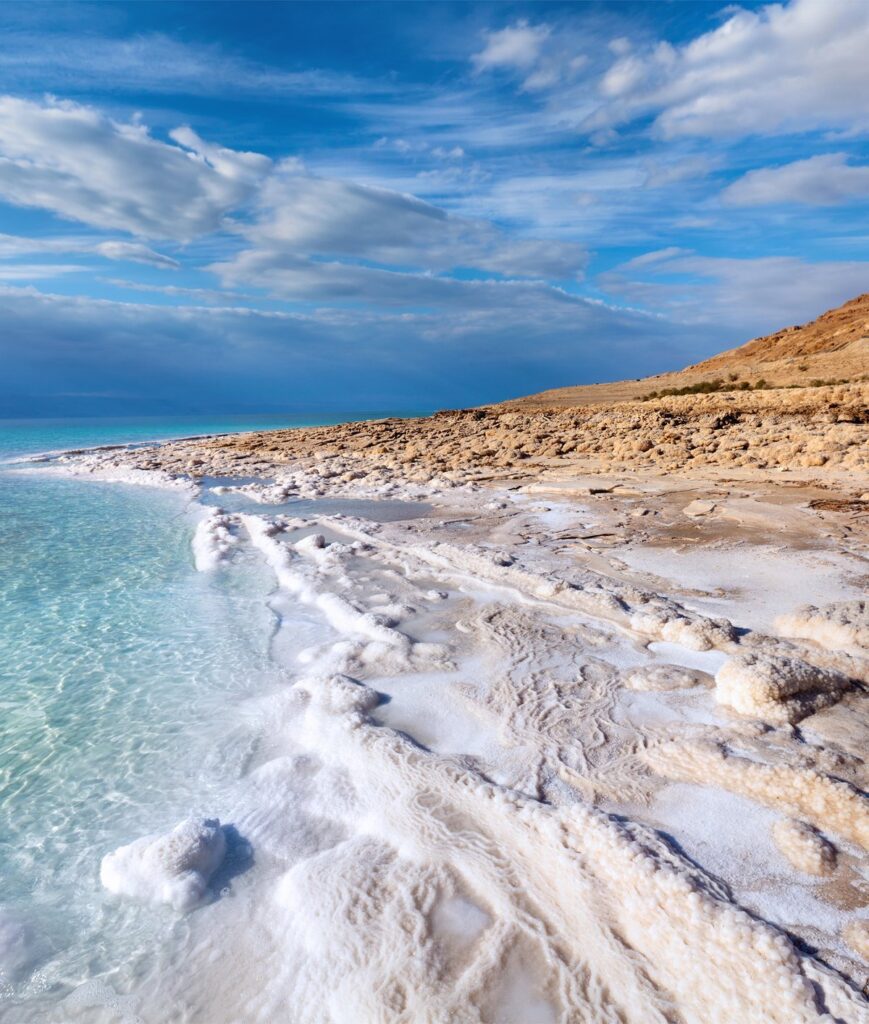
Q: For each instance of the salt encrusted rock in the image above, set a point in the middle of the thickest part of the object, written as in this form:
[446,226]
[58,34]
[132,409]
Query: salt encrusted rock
[173,868]
[804,847]
[781,690]
[842,624]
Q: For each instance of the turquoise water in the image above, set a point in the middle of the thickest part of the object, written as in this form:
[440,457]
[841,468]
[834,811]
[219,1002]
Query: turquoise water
[27,436]
[121,674]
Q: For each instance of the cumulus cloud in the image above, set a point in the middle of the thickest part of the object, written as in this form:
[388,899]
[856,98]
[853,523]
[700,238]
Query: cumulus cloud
[84,166]
[771,70]
[516,47]
[824,180]
[321,238]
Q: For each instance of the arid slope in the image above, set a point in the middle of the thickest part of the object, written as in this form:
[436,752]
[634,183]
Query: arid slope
[834,346]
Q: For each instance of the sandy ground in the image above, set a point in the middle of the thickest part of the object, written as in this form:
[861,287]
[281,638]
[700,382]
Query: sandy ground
[590,742]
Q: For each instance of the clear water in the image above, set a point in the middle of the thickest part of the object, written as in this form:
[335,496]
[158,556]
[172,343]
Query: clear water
[121,673]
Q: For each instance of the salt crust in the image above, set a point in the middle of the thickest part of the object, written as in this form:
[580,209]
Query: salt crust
[665,677]
[213,540]
[842,624]
[107,468]
[828,803]
[804,847]
[575,870]
[651,922]
[777,688]
[856,934]
[173,868]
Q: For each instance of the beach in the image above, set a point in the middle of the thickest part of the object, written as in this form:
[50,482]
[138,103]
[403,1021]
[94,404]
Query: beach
[576,732]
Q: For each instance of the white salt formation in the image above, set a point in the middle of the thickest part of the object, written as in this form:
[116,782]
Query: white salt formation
[856,934]
[843,624]
[831,804]
[173,868]
[458,802]
[777,688]
[804,847]
[213,540]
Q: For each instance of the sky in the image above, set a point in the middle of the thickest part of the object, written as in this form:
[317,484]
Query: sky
[244,207]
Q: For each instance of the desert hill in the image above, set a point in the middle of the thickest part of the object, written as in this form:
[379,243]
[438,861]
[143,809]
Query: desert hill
[834,347]
[712,419]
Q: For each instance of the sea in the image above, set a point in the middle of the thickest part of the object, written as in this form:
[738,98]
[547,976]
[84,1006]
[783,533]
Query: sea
[122,670]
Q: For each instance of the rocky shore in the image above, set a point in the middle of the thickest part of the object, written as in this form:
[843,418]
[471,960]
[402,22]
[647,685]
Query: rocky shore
[819,433]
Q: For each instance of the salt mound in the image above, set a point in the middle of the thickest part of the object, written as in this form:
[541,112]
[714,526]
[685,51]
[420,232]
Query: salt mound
[173,868]
[212,541]
[775,688]
[804,847]
[843,624]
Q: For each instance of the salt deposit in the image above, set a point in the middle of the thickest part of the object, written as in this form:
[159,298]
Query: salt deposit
[213,540]
[777,689]
[843,624]
[173,868]
[805,847]
[467,802]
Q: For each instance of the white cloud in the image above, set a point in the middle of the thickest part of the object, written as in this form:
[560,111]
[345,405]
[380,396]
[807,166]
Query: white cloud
[36,271]
[662,173]
[747,296]
[80,164]
[824,180]
[656,256]
[524,338]
[442,153]
[320,237]
[776,69]
[135,252]
[209,295]
[156,63]
[12,246]
[515,47]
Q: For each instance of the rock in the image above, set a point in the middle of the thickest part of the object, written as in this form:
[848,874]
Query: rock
[699,507]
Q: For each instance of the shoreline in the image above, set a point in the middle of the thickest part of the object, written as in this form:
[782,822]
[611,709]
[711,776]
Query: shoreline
[681,652]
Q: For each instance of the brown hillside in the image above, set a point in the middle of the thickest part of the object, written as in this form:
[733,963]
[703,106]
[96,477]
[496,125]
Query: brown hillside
[833,347]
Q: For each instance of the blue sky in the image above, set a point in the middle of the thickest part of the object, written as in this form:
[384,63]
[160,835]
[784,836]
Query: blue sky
[244,207]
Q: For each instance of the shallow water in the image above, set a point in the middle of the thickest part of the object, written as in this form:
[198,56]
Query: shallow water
[381,510]
[122,671]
